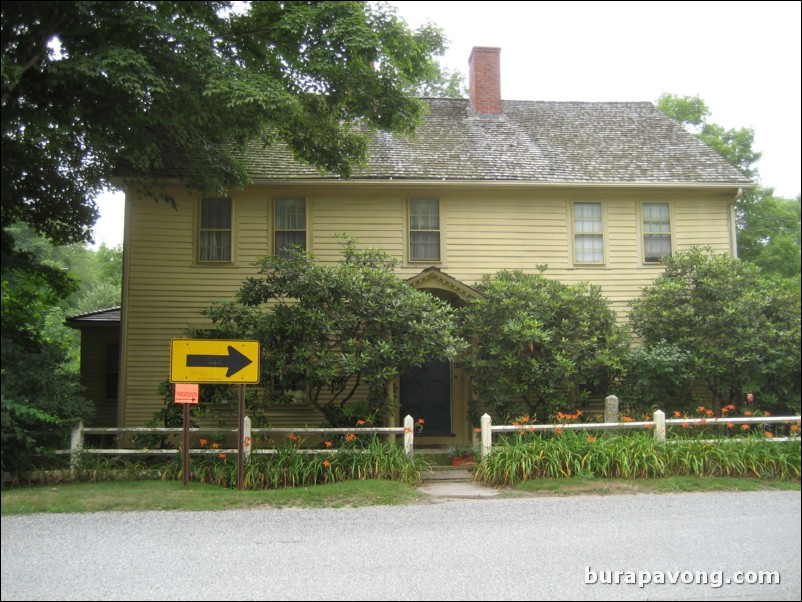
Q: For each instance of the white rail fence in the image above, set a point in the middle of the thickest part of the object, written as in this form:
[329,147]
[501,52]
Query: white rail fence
[79,432]
[658,424]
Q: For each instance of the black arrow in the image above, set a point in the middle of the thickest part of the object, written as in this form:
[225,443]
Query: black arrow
[234,361]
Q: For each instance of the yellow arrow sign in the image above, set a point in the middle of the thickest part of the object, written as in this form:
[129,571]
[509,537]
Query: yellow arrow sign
[214,361]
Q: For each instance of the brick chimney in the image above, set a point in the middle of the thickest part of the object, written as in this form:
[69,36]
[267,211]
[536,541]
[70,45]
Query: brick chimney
[484,80]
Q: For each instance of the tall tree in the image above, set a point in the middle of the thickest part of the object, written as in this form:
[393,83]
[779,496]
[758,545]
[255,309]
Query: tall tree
[327,330]
[175,89]
[768,226]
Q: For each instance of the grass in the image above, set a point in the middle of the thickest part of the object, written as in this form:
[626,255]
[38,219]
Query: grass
[585,486]
[125,496]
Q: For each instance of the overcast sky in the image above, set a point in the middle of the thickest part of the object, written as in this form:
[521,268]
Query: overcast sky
[741,58]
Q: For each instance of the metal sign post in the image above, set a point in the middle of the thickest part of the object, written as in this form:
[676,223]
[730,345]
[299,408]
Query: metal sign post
[186,394]
[241,440]
[215,361]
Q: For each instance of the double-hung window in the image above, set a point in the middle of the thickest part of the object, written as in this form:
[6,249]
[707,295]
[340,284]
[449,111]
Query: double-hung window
[290,224]
[214,240]
[424,230]
[588,233]
[656,232]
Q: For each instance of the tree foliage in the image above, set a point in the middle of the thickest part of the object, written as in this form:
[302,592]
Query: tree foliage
[176,89]
[740,330]
[327,330]
[768,227]
[539,344]
[40,354]
[735,145]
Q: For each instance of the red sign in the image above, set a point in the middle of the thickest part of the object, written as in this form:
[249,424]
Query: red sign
[186,393]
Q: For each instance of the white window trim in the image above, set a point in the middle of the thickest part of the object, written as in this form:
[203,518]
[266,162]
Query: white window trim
[573,234]
[307,222]
[409,260]
[232,246]
[641,233]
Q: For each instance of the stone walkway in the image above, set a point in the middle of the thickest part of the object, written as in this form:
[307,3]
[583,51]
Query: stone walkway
[456,483]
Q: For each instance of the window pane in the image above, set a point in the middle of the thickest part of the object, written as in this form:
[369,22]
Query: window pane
[424,214]
[589,248]
[215,246]
[424,229]
[588,238]
[656,246]
[285,240]
[216,213]
[290,214]
[656,231]
[214,240]
[425,245]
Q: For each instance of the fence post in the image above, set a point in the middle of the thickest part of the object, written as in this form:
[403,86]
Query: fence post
[246,433]
[610,412]
[409,435]
[76,444]
[487,436]
[660,426]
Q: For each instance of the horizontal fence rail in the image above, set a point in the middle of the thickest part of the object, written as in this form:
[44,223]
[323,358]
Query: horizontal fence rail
[658,425]
[79,432]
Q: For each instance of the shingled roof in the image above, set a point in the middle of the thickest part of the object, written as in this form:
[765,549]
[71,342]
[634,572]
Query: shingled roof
[538,142]
[109,315]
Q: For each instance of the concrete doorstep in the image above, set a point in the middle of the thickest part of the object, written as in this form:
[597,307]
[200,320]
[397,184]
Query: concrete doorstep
[454,482]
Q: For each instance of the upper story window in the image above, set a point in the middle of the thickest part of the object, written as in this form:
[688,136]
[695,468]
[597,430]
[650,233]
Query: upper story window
[656,232]
[588,233]
[290,224]
[424,230]
[214,240]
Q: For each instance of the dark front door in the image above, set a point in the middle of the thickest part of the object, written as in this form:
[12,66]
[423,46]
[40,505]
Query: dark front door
[426,393]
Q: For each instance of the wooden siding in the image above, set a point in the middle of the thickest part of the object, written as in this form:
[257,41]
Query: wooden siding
[484,230]
[95,344]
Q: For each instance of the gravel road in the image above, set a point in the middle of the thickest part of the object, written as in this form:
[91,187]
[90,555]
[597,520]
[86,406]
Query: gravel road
[506,549]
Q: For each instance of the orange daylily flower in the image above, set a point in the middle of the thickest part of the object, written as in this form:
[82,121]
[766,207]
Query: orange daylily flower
[350,437]
[748,412]
[677,414]
[477,429]
[794,427]
[292,436]
[627,419]
[745,427]
[558,431]
[730,425]
[215,445]
[204,441]
[701,409]
[709,412]
[421,421]
[329,444]
[591,439]
[326,463]
[221,456]
[360,422]
[769,434]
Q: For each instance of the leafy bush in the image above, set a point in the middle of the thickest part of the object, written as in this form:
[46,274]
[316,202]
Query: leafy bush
[540,344]
[741,331]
